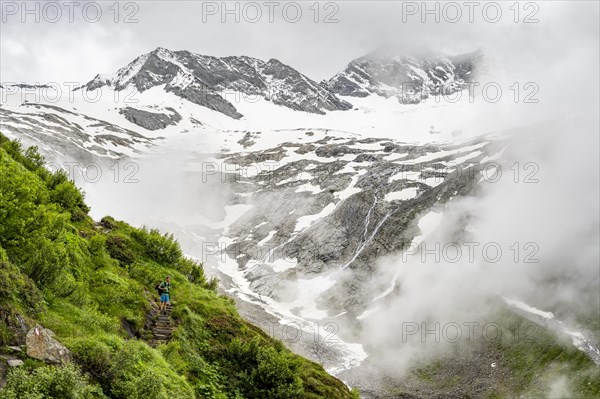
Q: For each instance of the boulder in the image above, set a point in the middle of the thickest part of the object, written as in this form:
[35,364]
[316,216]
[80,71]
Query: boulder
[42,345]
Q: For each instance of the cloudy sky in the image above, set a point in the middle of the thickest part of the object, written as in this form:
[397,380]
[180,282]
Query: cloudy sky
[73,43]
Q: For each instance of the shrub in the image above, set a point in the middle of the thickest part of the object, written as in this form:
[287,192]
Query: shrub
[6,336]
[140,373]
[94,355]
[47,262]
[98,251]
[69,197]
[213,284]
[30,158]
[77,215]
[161,248]
[33,159]
[193,270]
[14,148]
[262,372]
[49,382]
[119,247]
[21,197]
[109,222]
[56,178]
[17,288]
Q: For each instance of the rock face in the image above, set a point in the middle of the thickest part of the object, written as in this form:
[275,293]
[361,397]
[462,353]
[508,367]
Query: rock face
[199,93]
[42,345]
[151,120]
[409,78]
[351,187]
[212,82]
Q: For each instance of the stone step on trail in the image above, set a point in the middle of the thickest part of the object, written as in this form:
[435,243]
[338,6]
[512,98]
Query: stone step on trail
[163,331]
[162,326]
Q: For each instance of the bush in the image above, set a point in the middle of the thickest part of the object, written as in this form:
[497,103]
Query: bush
[77,215]
[56,178]
[98,251]
[140,373]
[69,197]
[30,158]
[109,222]
[94,355]
[33,159]
[47,262]
[213,284]
[17,288]
[163,249]
[21,204]
[49,382]
[193,270]
[262,372]
[119,247]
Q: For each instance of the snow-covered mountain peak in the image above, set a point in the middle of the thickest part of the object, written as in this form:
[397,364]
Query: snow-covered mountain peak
[409,76]
[203,80]
[120,79]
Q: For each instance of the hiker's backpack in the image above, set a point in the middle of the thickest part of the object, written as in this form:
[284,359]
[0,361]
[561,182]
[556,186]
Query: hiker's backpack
[158,289]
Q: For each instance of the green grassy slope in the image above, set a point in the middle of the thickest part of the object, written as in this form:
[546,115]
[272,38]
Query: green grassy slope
[92,283]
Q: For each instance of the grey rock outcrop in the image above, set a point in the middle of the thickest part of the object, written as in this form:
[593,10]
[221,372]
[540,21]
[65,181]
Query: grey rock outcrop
[42,345]
[151,120]
[199,93]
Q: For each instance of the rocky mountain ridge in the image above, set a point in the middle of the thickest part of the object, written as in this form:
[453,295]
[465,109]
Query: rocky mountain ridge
[409,78]
[207,80]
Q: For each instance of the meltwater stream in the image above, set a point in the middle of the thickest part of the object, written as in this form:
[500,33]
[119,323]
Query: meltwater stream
[581,340]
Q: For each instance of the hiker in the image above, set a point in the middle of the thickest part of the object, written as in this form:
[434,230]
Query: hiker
[164,288]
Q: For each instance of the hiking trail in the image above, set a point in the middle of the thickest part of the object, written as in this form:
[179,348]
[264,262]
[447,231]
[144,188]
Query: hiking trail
[161,325]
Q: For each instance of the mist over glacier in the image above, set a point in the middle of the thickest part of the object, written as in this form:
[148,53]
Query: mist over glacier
[556,214]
